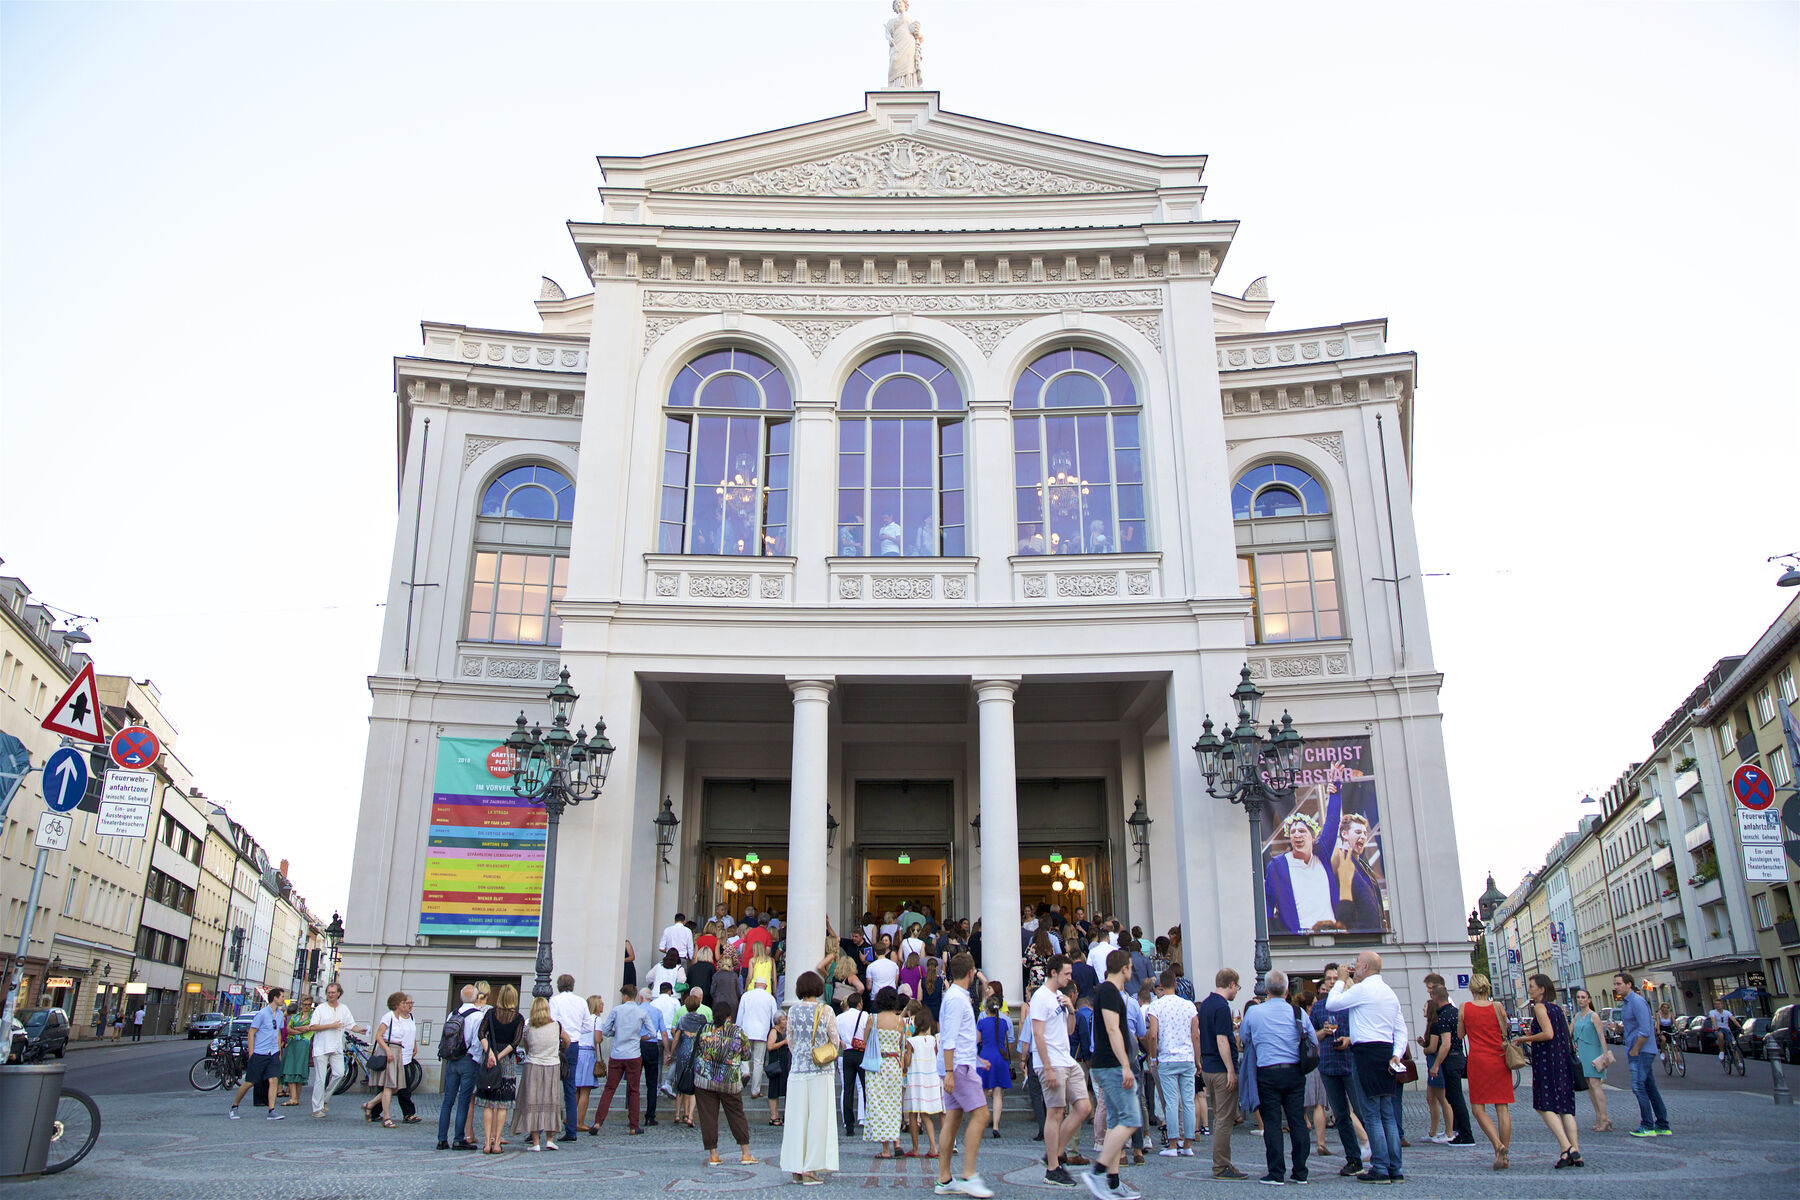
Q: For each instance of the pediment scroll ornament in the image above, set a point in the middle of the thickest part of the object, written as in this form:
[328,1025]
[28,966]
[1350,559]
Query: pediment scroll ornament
[987,334]
[475,447]
[815,334]
[903,167]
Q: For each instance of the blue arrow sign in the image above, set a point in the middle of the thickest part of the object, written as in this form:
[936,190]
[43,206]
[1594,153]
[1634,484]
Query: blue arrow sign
[65,779]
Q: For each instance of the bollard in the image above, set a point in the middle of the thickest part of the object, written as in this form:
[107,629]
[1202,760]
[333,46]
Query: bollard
[1778,1069]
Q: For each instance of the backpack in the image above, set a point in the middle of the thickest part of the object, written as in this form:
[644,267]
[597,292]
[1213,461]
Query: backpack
[1084,1034]
[451,1044]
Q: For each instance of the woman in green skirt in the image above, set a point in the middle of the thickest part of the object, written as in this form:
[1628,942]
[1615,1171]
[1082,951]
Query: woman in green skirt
[296,1054]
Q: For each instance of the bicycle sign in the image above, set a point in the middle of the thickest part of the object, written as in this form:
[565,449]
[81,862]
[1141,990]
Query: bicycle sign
[1753,787]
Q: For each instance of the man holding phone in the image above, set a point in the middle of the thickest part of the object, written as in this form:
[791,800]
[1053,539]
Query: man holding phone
[1378,1041]
[1335,1065]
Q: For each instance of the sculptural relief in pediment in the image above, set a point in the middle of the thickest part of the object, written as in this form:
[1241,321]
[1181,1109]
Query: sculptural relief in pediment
[903,167]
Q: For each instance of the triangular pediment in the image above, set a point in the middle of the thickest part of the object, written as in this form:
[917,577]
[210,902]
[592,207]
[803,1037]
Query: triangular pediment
[902,146]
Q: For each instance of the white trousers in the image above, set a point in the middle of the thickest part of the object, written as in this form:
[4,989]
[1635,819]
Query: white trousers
[328,1064]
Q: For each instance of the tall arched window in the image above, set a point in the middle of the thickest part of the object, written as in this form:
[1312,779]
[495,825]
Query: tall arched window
[1287,561]
[900,459]
[726,438]
[521,557]
[1078,469]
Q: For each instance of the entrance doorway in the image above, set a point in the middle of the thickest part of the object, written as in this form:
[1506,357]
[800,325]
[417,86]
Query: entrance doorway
[743,853]
[749,879]
[1071,878]
[892,885]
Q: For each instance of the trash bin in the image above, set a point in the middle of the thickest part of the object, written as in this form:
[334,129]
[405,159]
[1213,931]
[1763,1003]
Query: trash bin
[28,1098]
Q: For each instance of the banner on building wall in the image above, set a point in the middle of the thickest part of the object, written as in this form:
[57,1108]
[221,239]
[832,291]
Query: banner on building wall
[1323,868]
[484,859]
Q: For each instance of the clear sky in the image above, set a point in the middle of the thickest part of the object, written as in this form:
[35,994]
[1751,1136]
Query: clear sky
[219,223]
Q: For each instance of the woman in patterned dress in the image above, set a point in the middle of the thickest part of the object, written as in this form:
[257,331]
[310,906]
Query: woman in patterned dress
[296,1051]
[1552,1086]
[884,1074]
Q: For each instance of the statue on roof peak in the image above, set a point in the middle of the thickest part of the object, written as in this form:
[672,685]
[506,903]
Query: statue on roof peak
[905,50]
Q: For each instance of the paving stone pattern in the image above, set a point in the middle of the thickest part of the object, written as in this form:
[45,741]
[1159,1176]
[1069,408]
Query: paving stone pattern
[180,1146]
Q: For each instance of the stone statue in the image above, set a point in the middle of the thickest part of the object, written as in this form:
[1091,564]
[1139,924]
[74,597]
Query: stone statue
[905,53]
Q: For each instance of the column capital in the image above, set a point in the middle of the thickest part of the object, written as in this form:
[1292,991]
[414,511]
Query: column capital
[808,687]
[995,688]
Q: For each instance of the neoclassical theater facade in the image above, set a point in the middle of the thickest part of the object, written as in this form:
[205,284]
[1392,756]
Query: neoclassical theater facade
[902,494]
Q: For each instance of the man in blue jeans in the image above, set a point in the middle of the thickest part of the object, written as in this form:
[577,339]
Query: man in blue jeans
[1378,1040]
[459,1080]
[1640,1051]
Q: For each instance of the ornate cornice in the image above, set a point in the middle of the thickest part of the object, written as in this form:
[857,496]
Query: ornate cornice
[892,302]
[903,167]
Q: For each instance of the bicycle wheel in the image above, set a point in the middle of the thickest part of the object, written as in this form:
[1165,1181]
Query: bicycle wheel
[1668,1063]
[352,1072]
[76,1130]
[205,1074]
[415,1075]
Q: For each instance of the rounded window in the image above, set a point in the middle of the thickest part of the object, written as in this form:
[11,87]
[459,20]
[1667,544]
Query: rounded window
[726,438]
[900,459]
[1078,459]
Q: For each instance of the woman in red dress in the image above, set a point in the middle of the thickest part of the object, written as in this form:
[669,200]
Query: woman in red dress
[1490,1082]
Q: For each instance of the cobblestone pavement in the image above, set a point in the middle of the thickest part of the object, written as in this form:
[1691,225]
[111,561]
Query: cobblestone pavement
[181,1146]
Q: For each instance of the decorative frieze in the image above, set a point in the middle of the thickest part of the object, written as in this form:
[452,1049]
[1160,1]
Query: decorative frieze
[1088,584]
[1299,666]
[882,302]
[1088,577]
[990,333]
[815,334]
[719,587]
[901,587]
[507,668]
[903,167]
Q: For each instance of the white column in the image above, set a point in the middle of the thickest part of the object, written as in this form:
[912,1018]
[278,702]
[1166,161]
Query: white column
[993,523]
[806,826]
[1001,956]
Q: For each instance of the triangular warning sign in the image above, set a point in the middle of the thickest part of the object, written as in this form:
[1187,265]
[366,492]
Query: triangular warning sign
[77,714]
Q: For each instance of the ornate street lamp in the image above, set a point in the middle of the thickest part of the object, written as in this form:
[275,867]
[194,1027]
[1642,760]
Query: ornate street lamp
[1139,820]
[1248,768]
[831,828]
[666,821]
[1476,928]
[557,771]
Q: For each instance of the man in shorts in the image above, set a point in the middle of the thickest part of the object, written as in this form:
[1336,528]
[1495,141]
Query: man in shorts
[265,1055]
[1112,1062]
[963,1097]
[1064,1082]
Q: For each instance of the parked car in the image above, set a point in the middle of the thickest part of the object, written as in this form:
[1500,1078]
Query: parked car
[1613,1021]
[206,1025]
[15,1049]
[1783,1040]
[1699,1037]
[1750,1039]
[46,1029]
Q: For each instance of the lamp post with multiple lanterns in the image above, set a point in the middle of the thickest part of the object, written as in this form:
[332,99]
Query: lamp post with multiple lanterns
[558,770]
[1246,767]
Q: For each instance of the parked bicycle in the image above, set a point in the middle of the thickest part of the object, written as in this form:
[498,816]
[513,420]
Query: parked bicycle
[224,1064]
[74,1132]
[356,1067]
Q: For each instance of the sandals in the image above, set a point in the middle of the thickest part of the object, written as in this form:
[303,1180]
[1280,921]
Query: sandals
[387,1125]
[1575,1159]
[1500,1163]
[749,1162]
[412,1120]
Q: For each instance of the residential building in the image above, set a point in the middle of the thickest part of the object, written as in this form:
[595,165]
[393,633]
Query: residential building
[212,910]
[1741,719]
[901,469]
[1595,933]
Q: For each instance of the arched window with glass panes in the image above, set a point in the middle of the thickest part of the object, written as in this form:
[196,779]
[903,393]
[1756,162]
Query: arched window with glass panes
[521,557]
[727,432]
[1287,555]
[1078,466]
[900,459]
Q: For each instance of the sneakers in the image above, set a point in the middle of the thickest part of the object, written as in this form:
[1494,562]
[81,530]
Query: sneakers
[273,1115]
[1460,1142]
[1097,1185]
[1442,1139]
[1640,1131]
[1169,1152]
[1664,1131]
[1273,1180]
[1126,1192]
[1231,1174]
[232,1112]
[1353,1168]
[1059,1177]
[1187,1152]
[974,1185]
[1372,1177]
[1302,1177]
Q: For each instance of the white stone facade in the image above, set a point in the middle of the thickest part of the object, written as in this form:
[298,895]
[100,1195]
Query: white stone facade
[844,680]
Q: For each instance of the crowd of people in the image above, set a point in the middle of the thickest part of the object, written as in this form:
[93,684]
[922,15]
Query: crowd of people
[895,1029]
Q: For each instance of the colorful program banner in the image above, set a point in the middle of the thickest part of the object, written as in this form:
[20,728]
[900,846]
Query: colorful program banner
[484,861]
[1322,868]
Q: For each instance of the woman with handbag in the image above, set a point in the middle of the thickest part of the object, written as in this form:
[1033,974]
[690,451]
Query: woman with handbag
[1491,1055]
[693,1020]
[393,1042]
[809,1144]
[719,1084]
[995,1057]
[590,1071]
[777,1059]
[497,1070]
[538,1112]
[1552,1069]
[1590,1048]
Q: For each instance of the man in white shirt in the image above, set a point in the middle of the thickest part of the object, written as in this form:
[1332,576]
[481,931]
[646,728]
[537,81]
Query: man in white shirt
[853,1024]
[963,1097]
[722,914]
[1066,1102]
[679,938]
[756,1016]
[1105,942]
[884,972]
[1174,1029]
[330,1020]
[569,1011]
[1377,1026]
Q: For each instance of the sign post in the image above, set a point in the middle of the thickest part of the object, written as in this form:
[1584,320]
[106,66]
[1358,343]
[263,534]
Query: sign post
[1759,826]
[56,837]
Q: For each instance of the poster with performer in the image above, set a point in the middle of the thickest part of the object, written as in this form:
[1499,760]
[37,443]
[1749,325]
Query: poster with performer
[1322,862]
[484,858]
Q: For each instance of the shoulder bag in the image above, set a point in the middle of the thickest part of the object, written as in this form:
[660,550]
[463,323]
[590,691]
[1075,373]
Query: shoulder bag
[857,1042]
[378,1056]
[823,1053]
[1516,1057]
[1308,1060]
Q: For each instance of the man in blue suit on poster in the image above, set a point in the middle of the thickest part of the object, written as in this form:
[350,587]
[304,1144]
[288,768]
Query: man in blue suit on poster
[1301,890]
